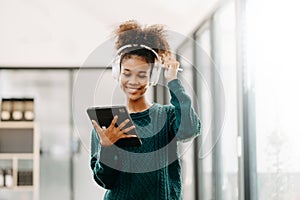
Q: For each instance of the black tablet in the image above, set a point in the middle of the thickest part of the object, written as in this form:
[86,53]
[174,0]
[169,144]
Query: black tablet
[104,116]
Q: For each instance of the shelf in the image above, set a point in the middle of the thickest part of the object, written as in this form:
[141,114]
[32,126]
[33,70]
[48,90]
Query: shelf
[17,124]
[19,152]
[7,156]
[18,188]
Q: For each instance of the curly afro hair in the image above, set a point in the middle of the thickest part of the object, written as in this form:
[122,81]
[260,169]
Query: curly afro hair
[154,36]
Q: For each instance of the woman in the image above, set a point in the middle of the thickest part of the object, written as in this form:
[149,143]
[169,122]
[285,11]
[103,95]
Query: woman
[151,171]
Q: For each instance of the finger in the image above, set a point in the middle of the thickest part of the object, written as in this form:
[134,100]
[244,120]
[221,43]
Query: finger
[167,66]
[123,124]
[95,124]
[168,58]
[99,130]
[173,62]
[128,136]
[126,130]
[113,122]
[175,66]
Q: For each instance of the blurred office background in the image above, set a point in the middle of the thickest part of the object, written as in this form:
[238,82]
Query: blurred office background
[241,68]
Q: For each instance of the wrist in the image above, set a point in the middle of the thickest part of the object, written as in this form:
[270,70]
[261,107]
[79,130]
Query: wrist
[171,79]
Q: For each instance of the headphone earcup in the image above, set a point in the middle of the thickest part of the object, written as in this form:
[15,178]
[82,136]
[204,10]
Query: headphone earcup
[155,74]
[116,68]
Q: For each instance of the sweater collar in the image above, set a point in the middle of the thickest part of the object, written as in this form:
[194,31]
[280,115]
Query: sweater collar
[145,112]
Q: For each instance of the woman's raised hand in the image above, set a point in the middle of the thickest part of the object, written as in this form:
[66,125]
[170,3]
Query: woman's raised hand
[108,136]
[171,68]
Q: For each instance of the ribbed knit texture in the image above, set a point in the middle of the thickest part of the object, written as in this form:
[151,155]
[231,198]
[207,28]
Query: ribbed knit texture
[152,171]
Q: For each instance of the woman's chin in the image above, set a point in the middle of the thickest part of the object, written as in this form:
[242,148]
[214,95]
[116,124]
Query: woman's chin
[133,97]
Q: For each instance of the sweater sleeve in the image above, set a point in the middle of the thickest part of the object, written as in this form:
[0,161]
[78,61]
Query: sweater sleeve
[104,162]
[185,123]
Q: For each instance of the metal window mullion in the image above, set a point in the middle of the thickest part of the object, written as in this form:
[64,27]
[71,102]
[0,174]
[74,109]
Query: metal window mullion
[241,185]
[198,168]
[246,112]
[216,153]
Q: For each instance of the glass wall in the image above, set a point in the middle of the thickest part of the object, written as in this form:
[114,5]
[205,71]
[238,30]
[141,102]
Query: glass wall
[272,53]
[214,78]
[64,145]
[50,91]
[187,151]
[204,66]
[225,60]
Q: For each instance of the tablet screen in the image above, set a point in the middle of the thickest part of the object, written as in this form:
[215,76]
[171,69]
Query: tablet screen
[104,116]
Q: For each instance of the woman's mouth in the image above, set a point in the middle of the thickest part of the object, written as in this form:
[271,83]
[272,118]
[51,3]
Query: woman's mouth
[132,90]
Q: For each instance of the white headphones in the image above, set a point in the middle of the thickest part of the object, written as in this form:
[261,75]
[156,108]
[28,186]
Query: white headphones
[155,70]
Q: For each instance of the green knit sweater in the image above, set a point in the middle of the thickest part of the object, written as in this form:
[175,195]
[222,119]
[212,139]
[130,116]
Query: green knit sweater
[152,171]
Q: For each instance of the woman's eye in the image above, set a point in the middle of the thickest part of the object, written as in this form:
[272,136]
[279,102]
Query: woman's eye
[142,76]
[126,74]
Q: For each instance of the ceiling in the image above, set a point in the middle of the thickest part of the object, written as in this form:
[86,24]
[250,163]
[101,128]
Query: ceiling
[65,33]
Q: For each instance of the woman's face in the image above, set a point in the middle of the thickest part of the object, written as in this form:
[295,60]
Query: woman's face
[134,76]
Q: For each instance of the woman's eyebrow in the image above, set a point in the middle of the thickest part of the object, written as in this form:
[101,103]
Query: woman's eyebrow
[142,72]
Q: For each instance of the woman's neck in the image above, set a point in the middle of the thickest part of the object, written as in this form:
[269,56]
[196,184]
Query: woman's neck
[138,105]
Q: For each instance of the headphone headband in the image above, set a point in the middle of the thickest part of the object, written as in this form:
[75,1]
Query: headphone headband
[139,46]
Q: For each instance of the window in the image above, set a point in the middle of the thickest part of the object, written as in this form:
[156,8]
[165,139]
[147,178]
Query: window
[272,54]
[225,60]
[204,92]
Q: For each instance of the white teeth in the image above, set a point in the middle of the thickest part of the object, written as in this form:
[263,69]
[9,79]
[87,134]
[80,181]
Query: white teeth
[132,90]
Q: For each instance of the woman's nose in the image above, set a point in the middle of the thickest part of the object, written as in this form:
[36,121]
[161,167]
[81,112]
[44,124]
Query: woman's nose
[133,79]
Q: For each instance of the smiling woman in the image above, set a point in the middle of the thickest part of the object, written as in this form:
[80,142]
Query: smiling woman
[153,170]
